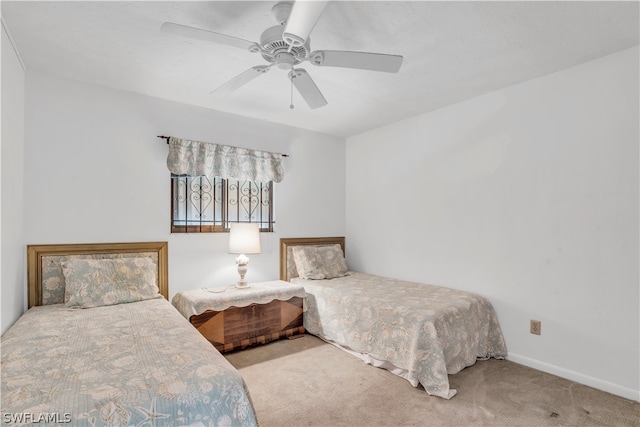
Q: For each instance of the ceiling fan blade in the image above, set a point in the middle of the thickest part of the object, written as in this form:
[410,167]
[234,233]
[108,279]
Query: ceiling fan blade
[358,60]
[209,36]
[241,80]
[303,17]
[307,88]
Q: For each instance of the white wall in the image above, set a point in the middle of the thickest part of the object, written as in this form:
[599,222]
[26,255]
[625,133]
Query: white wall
[13,253]
[95,172]
[527,195]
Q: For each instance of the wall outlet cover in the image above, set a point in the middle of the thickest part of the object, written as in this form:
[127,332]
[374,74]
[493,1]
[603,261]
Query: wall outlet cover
[536,327]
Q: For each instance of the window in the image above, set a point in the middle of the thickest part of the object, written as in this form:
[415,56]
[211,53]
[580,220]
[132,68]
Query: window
[208,205]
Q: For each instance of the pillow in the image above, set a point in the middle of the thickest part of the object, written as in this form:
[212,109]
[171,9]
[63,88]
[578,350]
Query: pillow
[98,282]
[320,262]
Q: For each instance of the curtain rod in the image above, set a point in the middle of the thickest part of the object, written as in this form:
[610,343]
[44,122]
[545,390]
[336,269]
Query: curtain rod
[167,139]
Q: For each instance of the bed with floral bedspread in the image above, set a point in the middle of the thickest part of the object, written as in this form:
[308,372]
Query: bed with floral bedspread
[133,364]
[116,353]
[420,332]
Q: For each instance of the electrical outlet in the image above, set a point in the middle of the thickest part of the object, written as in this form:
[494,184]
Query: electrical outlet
[536,327]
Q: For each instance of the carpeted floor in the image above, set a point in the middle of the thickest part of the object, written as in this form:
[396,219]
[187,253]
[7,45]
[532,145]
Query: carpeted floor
[307,382]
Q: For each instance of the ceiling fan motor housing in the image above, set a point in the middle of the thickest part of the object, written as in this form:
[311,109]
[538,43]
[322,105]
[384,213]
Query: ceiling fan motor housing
[274,47]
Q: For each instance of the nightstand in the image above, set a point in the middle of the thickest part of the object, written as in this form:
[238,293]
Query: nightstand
[237,318]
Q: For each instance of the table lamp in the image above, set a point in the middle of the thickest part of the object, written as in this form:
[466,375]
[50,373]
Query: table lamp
[244,238]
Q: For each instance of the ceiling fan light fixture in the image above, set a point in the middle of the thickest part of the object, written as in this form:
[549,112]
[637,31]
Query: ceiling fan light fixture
[285,60]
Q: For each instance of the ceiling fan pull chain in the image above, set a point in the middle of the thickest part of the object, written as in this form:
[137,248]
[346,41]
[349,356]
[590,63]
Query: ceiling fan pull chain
[291,78]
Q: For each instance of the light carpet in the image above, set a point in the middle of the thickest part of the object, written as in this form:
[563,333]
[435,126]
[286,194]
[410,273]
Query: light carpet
[307,382]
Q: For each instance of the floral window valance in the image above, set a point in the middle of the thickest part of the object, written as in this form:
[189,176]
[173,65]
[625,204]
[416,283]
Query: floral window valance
[196,158]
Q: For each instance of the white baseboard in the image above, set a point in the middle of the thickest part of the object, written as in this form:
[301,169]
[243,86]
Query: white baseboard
[607,386]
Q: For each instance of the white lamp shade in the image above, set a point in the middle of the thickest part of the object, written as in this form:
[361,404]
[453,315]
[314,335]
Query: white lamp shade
[244,238]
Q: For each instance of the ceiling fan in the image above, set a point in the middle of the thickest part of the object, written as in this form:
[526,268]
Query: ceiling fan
[286,46]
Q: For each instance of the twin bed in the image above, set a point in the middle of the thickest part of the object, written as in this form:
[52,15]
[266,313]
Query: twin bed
[420,332]
[112,355]
[94,350]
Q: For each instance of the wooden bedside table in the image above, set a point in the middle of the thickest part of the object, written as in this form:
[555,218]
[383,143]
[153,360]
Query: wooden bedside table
[238,318]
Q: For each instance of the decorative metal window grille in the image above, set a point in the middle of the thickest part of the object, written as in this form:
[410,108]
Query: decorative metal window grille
[205,205]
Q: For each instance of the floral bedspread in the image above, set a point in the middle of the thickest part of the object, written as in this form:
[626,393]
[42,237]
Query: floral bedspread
[131,364]
[427,330]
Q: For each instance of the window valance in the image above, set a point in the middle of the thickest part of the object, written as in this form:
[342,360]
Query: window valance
[196,158]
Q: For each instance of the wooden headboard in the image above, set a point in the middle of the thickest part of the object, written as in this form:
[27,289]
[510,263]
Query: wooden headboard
[47,258]
[287,266]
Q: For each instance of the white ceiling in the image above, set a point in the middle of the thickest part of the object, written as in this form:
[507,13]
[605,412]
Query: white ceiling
[452,51]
